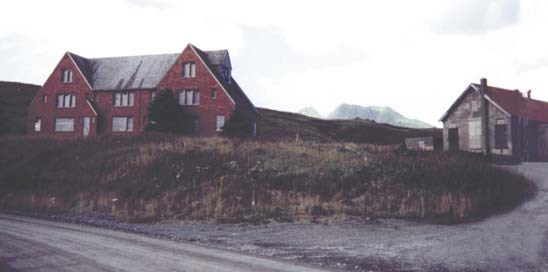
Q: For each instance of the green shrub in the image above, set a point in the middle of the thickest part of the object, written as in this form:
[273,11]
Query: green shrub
[166,115]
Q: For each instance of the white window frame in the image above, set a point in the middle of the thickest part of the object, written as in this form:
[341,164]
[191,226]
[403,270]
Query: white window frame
[45,98]
[67,76]
[190,97]
[64,124]
[219,122]
[189,70]
[122,124]
[66,100]
[123,99]
[213,93]
[37,124]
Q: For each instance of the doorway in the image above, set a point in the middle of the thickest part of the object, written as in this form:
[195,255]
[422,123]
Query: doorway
[86,126]
[453,139]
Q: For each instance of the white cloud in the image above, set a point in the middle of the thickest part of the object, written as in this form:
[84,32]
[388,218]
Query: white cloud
[415,56]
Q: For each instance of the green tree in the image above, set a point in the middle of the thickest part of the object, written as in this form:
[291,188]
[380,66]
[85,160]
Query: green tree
[238,125]
[165,114]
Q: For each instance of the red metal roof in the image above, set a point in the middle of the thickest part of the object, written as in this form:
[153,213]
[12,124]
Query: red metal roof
[514,103]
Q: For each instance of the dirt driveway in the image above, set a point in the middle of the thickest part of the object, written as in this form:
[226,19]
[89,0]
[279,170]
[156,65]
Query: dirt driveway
[514,241]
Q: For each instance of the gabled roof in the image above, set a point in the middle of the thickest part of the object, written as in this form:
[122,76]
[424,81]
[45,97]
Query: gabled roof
[232,88]
[125,73]
[217,57]
[514,103]
[511,102]
[147,71]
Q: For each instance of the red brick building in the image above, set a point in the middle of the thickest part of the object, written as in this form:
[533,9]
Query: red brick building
[86,97]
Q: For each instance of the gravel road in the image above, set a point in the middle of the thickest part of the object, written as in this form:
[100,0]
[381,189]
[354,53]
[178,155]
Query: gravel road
[37,245]
[510,242]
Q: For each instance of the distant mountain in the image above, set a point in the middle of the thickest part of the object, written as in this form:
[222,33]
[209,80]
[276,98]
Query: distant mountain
[310,112]
[378,114]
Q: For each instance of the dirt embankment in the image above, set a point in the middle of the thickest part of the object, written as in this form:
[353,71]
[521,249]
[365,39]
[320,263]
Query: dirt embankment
[157,177]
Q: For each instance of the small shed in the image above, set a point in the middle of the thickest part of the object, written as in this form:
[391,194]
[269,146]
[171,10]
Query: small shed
[420,143]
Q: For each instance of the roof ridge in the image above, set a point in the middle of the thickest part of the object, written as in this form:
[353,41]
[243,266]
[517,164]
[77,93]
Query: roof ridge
[134,56]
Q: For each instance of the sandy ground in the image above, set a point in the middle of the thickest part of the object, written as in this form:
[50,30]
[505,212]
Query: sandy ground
[514,241]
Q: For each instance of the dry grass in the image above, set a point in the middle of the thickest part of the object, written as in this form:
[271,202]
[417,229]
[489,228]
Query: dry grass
[166,176]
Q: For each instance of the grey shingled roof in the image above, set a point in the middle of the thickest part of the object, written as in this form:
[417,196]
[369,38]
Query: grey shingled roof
[124,73]
[216,57]
[146,72]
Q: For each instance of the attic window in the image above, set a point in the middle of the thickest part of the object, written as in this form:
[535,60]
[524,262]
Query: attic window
[213,93]
[225,72]
[189,70]
[67,76]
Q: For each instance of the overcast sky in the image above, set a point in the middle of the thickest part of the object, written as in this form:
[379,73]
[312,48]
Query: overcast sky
[415,56]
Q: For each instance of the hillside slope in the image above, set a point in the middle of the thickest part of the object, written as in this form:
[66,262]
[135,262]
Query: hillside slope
[14,99]
[379,114]
[310,112]
[273,125]
[278,125]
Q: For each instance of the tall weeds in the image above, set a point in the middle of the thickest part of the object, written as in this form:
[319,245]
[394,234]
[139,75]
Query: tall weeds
[166,176]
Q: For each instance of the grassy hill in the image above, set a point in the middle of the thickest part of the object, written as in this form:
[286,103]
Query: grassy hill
[14,99]
[278,125]
[162,176]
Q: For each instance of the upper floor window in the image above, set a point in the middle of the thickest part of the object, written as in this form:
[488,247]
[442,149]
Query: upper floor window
[123,99]
[66,101]
[225,73]
[189,97]
[189,70]
[44,99]
[214,93]
[67,76]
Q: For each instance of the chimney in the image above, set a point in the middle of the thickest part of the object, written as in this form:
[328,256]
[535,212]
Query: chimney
[483,86]
[529,94]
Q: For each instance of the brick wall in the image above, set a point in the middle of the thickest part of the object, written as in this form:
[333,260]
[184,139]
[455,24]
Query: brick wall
[47,111]
[208,108]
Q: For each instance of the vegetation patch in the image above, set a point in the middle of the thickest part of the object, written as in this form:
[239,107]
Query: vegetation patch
[163,176]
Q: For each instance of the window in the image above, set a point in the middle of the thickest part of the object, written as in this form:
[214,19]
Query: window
[220,122]
[501,139]
[67,76]
[214,93]
[44,99]
[66,101]
[474,134]
[189,97]
[37,124]
[125,99]
[64,124]
[122,124]
[152,95]
[225,73]
[189,70]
